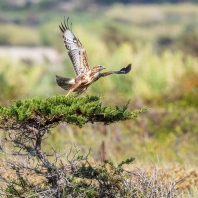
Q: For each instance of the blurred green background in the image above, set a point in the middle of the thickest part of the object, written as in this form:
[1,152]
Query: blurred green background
[159,38]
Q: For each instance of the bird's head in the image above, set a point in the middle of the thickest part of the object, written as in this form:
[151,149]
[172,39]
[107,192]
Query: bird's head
[99,67]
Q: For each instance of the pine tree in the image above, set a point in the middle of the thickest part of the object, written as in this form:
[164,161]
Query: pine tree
[29,171]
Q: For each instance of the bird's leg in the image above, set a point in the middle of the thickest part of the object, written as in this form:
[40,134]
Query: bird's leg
[73,87]
[68,93]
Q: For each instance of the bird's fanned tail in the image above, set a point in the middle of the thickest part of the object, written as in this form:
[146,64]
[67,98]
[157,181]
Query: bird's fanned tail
[64,83]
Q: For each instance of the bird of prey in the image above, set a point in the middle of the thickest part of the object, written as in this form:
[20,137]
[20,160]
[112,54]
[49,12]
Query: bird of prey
[85,75]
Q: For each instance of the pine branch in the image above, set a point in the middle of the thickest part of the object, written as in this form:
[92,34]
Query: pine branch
[49,112]
[26,122]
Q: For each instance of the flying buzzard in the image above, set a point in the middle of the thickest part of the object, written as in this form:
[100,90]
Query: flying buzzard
[85,75]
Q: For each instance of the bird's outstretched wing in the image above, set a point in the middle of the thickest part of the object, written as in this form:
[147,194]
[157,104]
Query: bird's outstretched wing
[124,70]
[76,51]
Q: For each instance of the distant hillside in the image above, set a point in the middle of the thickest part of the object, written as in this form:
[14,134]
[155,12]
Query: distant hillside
[71,5]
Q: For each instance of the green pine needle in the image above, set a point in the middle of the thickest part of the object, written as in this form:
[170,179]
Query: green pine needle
[72,109]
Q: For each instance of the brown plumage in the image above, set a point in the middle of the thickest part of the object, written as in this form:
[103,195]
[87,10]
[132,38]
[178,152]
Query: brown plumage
[85,75]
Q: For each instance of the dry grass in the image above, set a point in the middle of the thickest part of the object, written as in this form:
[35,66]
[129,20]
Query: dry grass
[141,180]
[184,179]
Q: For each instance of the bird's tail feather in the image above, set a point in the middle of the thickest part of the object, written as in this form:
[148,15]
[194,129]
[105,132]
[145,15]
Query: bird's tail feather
[64,83]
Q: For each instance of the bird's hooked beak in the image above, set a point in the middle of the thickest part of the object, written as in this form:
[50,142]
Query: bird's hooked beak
[102,67]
